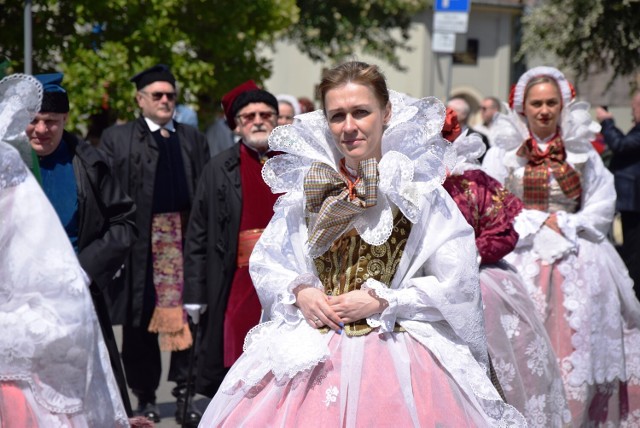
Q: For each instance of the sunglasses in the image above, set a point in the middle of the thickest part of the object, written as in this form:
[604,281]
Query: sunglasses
[157,96]
[248,118]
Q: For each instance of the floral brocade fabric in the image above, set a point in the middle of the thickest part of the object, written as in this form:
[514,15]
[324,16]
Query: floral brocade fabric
[490,209]
[351,261]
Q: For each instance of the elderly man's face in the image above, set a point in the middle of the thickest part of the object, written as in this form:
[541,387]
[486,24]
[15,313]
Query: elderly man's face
[255,121]
[45,132]
[157,101]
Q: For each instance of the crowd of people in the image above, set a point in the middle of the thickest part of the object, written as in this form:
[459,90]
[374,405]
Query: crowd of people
[375,262]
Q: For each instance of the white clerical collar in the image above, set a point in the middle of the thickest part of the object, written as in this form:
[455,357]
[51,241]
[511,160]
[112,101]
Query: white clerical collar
[153,127]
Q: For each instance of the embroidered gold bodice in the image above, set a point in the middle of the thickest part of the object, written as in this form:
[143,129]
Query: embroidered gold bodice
[350,262]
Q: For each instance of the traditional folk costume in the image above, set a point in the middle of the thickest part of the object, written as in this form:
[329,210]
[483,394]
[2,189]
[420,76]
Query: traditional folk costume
[54,366]
[423,360]
[576,279]
[519,346]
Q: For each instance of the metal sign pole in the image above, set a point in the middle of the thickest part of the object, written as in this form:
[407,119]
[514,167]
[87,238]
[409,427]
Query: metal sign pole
[447,93]
[27,37]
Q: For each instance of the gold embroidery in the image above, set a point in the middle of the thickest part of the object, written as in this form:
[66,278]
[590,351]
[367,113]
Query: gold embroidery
[350,262]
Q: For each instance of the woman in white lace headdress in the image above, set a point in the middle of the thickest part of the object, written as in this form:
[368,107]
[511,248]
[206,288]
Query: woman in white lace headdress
[367,273]
[519,347]
[54,367]
[578,282]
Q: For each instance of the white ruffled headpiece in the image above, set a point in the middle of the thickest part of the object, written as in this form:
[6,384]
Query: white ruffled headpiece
[20,98]
[566,90]
[292,101]
[469,148]
[415,160]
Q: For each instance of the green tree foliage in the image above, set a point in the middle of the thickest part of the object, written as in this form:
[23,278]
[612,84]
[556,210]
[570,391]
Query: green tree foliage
[210,45]
[586,35]
[334,29]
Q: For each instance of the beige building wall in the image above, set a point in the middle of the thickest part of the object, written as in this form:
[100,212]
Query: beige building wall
[427,73]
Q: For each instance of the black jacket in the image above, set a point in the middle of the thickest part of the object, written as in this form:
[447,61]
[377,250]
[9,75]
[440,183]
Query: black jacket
[106,227]
[133,153]
[211,248]
[106,233]
[625,164]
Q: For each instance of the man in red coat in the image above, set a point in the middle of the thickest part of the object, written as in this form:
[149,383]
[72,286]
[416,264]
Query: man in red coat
[231,207]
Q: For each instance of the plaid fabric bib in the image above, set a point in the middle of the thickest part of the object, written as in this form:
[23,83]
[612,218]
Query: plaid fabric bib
[536,173]
[337,199]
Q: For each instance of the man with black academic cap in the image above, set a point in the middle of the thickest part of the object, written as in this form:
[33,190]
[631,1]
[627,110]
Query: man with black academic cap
[231,207]
[158,161]
[97,215]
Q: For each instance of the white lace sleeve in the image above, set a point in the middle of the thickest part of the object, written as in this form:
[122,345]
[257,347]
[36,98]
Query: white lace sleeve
[278,264]
[438,277]
[594,218]
[528,223]
[286,344]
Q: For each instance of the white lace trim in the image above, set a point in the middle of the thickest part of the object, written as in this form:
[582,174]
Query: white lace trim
[415,159]
[606,347]
[285,350]
[285,309]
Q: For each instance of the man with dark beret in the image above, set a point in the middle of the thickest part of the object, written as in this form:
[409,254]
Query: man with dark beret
[97,215]
[158,162]
[231,208]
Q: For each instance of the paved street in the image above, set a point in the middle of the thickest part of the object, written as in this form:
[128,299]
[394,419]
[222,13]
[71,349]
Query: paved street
[166,402]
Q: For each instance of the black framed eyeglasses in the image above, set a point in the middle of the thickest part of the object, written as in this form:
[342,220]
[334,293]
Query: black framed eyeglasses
[247,118]
[157,96]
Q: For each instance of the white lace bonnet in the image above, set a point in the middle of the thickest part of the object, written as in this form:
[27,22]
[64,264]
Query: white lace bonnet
[516,97]
[20,98]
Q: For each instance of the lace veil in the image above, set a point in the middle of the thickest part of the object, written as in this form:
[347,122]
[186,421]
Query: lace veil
[50,337]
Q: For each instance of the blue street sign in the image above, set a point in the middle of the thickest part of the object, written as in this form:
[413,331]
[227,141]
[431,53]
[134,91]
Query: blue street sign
[451,5]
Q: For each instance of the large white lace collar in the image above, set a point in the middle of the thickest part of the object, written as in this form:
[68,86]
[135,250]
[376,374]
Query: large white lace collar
[576,126]
[415,159]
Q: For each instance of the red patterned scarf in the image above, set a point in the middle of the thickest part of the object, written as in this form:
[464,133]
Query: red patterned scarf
[536,173]
[169,319]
